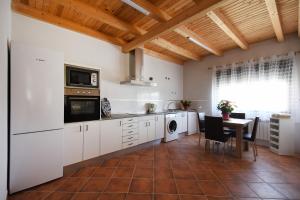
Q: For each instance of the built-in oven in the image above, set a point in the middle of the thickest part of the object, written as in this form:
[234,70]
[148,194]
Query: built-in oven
[81,105]
[81,77]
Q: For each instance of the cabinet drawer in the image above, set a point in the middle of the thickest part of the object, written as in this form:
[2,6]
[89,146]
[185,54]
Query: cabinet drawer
[130,138]
[129,120]
[132,125]
[130,144]
[147,118]
[130,132]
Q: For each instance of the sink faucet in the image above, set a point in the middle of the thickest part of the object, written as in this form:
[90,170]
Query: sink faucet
[171,102]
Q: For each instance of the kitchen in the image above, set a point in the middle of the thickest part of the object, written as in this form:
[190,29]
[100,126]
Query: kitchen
[92,130]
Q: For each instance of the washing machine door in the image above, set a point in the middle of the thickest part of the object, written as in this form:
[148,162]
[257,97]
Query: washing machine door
[172,126]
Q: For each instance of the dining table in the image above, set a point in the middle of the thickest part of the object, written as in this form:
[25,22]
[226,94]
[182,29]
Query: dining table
[238,125]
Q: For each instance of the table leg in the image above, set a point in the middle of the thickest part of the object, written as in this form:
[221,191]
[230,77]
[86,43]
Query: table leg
[239,142]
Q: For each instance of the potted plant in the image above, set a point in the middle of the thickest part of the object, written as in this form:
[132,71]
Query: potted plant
[186,104]
[226,107]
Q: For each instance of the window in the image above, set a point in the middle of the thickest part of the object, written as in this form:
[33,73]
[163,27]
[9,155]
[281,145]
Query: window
[258,88]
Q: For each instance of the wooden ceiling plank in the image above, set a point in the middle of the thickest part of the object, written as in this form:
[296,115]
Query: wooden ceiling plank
[163,56]
[186,16]
[273,12]
[176,49]
[41,15]
[155,12]
[299,18]
[223,23]
[101,15]
[188,33]
[185,32]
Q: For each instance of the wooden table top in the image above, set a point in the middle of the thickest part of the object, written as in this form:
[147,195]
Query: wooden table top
[233,121]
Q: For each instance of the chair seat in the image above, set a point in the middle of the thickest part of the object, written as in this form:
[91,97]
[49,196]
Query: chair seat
[247,136]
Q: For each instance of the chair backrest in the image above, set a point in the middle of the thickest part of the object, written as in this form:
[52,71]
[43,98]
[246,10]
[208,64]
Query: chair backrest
[201,121]
[214,128]
[238,115]
[254,130]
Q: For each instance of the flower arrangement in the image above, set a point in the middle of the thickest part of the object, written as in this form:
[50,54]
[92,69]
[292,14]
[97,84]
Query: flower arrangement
[186,103]
[226,107]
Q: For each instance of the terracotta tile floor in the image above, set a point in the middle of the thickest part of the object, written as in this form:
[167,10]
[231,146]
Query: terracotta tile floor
[178,170]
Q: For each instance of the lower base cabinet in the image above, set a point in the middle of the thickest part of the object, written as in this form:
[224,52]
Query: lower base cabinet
[159,126]
[81,141]
[111,136]
[146,129]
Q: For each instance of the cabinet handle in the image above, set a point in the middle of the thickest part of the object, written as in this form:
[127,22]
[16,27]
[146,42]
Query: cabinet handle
[87,127]
[130,126]
[130,144]
[130,131]
[80,128]
[130,138]
[120,123]
[130,120]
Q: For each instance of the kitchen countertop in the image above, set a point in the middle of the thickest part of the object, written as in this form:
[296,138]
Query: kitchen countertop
[129,115]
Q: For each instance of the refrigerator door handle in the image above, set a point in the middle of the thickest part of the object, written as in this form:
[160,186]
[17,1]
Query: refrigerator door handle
[80,129]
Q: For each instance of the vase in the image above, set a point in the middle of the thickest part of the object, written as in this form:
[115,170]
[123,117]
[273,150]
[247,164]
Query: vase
[225,116]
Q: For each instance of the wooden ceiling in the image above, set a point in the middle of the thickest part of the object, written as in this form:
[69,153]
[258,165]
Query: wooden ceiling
[175,30]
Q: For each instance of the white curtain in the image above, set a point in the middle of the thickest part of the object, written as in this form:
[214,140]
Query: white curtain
[259,87]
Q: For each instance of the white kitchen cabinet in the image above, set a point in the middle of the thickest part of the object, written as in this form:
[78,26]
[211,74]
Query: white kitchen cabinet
[91,140]
[73,143]
[146,129]
[111,136]
[81,141]
[192,123]
[159,126]
[182,122]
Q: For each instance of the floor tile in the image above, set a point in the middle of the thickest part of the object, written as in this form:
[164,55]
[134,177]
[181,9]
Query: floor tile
[95,185]
[163,173]
[84,172]
[263,190]
[141,186]
[118,185]
[239,189]
[213,188]
[143,173]
[127,163]
[192,197]
[123,172]
[60,196]
[144,164]
[50,186]
[103,172]
[272,177]
[165,186]
[86,196]
[183,174]
[72,184]
[29,195]
[110,163]
[186,186]
[133,196]
[166,197]
[204,175]
[292,191]
[112,196]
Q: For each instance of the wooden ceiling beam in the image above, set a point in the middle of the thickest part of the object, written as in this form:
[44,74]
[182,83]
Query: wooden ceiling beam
[101,15]
[176,49]
[41,15]
[163,56]
[188,33]
[199,10]
[185,32]
[273,12]
[223,23]
[155,12]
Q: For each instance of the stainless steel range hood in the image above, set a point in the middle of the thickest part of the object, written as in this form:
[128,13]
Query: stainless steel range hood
[136,69]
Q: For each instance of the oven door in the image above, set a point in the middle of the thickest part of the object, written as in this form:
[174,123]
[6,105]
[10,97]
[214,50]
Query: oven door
[82,108]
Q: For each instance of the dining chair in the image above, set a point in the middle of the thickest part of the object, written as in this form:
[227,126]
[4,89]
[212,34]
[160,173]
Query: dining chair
[201,120]
[214,131]
[251,137]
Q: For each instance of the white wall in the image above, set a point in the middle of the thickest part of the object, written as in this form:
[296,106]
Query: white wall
[84,50]
[197,77]
[5,22]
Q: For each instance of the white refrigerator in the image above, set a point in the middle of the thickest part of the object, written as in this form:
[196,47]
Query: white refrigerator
[36,116]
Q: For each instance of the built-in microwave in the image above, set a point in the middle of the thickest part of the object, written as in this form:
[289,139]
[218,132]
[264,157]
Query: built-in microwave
[81,105]
[81,77]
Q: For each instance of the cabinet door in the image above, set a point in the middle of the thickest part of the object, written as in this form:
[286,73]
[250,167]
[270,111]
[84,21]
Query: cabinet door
[159,126]
[73,143]
[184,122]
[179,122]
[151,130]
[192,123]
[111,136]
[91,139]
[143,132]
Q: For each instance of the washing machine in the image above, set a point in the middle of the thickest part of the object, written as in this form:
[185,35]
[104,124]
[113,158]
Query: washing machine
[171,127]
